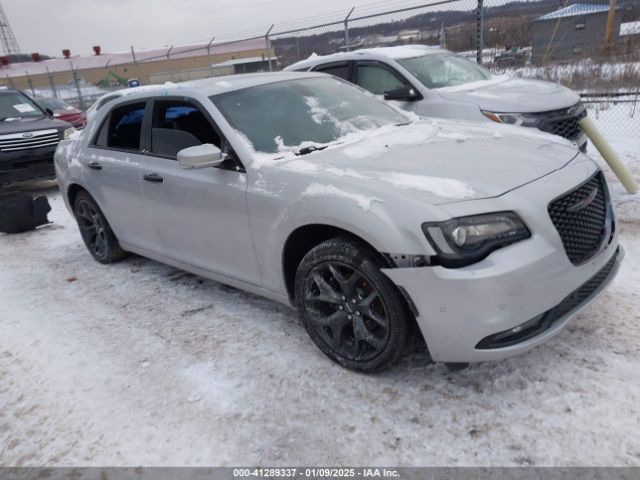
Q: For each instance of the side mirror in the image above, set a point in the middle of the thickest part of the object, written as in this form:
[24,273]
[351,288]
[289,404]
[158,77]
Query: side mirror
[405,93]
[200,156]
[49,112]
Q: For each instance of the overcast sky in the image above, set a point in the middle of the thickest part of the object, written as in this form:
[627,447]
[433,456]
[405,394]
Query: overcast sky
[48,26]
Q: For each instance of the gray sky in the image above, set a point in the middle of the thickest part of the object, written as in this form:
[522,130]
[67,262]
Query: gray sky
[48,26]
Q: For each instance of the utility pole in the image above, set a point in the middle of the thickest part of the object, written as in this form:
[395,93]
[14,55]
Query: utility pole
[608,38]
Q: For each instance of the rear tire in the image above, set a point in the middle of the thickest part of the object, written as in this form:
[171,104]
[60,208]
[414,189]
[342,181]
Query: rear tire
[96,231]
[351,310]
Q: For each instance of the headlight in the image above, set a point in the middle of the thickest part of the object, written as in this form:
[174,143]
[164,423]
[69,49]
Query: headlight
[519,119]
[466,240]
[68,133]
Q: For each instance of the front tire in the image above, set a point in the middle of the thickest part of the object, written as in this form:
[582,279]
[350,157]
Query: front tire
[351,310]
[96,231]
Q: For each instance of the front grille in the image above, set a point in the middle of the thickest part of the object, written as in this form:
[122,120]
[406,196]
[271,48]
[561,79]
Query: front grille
[29,140]
[543,322]
[580,217]
[564,122]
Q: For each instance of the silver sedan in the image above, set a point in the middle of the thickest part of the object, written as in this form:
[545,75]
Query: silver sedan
[478,241]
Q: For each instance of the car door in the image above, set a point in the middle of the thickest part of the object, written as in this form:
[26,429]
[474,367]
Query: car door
[111,173]
[200,215]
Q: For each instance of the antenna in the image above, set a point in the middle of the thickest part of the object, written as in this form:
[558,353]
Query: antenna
[9,43]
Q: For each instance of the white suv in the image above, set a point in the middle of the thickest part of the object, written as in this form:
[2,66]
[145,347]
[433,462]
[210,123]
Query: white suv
[433,82]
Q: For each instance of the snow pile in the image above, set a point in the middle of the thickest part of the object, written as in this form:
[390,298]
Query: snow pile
[138,363]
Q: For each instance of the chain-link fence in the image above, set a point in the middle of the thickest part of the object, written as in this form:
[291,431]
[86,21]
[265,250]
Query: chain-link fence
[589,47]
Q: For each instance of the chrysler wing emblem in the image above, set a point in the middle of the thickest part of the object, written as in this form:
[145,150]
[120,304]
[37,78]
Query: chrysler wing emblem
[27,135]
[585,202]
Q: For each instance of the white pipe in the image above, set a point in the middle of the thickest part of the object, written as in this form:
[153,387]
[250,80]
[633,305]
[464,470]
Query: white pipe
[619,168]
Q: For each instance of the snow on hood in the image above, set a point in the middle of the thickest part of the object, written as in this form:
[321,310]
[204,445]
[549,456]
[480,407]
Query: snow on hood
[438,161]
[516,95]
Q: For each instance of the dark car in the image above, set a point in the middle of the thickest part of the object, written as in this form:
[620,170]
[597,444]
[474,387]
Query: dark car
[28,138]
[63,111]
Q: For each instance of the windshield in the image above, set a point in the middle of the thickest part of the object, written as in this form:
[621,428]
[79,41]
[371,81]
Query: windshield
[54,104]
[444,70]
[306,111]
[16,105]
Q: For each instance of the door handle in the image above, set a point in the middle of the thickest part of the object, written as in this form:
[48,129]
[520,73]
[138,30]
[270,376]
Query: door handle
[94,166]
[153,178]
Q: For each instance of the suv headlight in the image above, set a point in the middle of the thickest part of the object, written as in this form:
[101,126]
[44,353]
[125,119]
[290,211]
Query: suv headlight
[518,119]
[466,240]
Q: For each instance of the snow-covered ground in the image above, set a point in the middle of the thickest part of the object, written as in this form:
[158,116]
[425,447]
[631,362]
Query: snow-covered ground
[142,364]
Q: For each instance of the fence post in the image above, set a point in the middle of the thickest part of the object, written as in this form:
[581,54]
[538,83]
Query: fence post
[74,74]
[170,63]
[608,38]
[33,92]
[268,42]
[346,30]
[53,85]
[479,28]
[135,63]
[209,56]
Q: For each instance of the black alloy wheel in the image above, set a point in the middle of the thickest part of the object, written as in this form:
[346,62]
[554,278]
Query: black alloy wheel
[351,310]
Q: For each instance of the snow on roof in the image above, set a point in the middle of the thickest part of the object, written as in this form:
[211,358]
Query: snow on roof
[399,52]
[575,9]
[630,28]
[240,61]
[105,60]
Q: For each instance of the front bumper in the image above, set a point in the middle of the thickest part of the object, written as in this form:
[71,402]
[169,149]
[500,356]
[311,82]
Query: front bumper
[27,165]
[459,308]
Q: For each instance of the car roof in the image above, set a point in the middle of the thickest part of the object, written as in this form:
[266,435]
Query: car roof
[378,53]
[213,85]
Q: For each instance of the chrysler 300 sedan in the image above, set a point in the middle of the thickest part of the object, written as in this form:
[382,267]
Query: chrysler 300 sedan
[482,240]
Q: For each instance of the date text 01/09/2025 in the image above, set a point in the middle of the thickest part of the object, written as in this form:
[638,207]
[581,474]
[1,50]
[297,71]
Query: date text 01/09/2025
[316,472]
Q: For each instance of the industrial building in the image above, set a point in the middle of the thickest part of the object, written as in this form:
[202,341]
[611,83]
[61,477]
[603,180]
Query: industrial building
[571,33]
[149,66]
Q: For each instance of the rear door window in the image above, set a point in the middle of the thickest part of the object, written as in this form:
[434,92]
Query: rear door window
[123,128]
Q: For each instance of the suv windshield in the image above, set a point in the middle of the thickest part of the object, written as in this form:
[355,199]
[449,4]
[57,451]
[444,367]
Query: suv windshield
[17,105]
[54,103]
[444,70]
[312,111]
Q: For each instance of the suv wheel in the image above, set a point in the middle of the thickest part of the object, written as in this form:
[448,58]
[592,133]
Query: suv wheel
[95,230]
[351,310]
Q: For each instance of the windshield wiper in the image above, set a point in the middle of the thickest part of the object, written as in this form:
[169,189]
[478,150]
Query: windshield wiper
[309,149]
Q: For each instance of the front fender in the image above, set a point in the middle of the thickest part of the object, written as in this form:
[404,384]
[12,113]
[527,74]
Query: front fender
[391,223]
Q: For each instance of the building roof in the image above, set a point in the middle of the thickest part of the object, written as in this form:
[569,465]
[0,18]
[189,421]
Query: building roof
[630,28]
[575,10]
[105,60]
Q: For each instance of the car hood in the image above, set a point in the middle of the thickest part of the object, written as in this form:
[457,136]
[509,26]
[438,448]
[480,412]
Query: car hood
[31,124]
[515,95]
[438,162]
